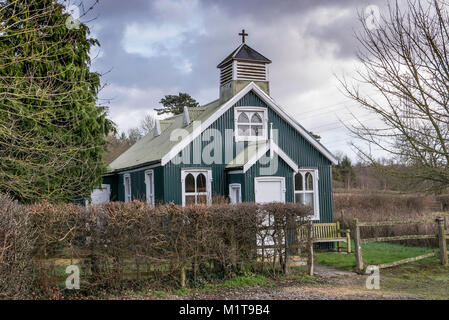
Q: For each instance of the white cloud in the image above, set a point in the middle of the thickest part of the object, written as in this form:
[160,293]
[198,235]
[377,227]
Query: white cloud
[129,105]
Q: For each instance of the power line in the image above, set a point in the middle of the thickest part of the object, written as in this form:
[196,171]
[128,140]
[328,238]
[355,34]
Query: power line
[334,105]
[337,125]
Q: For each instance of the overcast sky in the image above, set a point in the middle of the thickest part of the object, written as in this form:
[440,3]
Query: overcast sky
[152,48]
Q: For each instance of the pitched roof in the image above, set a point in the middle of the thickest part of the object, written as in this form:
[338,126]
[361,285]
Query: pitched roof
[151,149]
[220,110]
[244,52]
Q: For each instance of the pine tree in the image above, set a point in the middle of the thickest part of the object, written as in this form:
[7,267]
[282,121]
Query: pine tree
[52,133]
[175,103]
[346,171]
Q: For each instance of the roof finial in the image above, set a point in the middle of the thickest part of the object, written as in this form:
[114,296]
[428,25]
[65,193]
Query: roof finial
[157,128]
[185,117]
[243,34]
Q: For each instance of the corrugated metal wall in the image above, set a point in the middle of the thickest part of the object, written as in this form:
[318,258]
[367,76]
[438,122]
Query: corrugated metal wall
[237,178]
[291,142]
[283,170]
[113,182]
[302,152]
[138,186]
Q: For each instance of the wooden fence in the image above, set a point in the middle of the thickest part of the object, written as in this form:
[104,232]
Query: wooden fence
[441,235]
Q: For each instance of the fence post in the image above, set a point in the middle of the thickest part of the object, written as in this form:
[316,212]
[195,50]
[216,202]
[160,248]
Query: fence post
[338,236]
[348,242]
[442,240]
[310,248]
[358,247]
[183,276]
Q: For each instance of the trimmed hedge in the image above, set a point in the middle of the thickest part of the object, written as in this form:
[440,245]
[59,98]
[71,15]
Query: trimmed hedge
[122,245]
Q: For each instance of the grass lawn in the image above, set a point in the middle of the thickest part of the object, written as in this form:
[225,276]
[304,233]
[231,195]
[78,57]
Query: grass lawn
[373,253]
[426,278]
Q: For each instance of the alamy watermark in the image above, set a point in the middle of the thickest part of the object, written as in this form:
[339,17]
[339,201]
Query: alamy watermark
[372,17]
[217,147]
[373,280]
[73,280]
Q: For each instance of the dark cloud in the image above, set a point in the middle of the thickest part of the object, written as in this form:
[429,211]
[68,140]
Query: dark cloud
[159,47]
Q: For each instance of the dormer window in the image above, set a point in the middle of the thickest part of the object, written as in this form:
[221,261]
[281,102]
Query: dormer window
[250,123]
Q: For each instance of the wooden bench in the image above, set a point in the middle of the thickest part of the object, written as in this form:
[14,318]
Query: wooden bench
[327,232]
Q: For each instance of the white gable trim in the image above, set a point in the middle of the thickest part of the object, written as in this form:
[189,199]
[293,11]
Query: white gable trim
[268,100]
[261,152]
[292,164]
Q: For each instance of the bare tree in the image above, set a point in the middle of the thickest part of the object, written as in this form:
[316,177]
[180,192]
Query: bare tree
[117,144]
[147,124]
[406,61]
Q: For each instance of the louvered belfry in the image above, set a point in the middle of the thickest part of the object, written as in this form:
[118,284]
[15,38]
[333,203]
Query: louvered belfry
[241,67]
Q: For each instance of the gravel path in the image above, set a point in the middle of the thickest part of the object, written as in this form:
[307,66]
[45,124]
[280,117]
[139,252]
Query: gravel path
[332,284]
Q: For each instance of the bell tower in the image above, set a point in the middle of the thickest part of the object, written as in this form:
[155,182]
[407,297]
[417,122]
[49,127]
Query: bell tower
[242,66]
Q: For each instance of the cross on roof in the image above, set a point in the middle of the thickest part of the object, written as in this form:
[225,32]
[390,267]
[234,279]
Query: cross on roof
[243,34]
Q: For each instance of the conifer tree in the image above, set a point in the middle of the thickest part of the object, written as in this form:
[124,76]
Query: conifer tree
[52,133]
[175,103]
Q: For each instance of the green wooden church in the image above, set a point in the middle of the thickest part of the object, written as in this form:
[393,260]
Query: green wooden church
[243,146]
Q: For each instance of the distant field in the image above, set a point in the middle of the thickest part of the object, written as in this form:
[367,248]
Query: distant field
[388,206]
[374,253]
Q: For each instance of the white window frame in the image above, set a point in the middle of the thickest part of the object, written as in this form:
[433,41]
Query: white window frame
[127,189]
[315,191]
[231,194]
[195,172]
[251,110]
[149,186]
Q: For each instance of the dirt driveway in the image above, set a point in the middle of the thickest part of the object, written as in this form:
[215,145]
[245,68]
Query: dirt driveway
[332,284]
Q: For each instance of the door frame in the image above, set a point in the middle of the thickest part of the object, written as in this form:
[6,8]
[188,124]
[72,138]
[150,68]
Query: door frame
[231,196]
[149,184]
[270,179]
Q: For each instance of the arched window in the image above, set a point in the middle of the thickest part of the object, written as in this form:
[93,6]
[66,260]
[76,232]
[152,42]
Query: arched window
[201,183]
[243,118]
[196,186]
[298,182]
[306,191]
[309,181]
[251,123]
[190,183]
[256,118]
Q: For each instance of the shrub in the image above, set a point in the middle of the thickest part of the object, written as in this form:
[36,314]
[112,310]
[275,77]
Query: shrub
[16,244]
[120,245]
[386,207]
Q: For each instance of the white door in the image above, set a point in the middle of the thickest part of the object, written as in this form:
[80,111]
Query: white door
[269,189]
